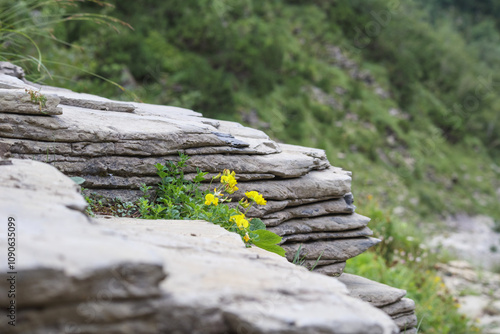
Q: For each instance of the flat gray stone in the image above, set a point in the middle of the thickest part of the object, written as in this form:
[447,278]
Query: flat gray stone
[97,105]
[63,258]
[126,133]
[333,270]
[310,263]
[339,250]
[117,182]
[18,101]
[88,101]
[404,305]
[254,137]
[405,321]
[333,206]
[10,82]
[36,182]
[316,184]
[9,69]
[303,237]
[218,259]
[66,324]
[375,293]
[85,125]
[103,149]
[257,147]
[287,164]
[71,157]
[272,193]
[99,311]
[259,211]
[134,182]
[330,223]
[126,195]
[171,112]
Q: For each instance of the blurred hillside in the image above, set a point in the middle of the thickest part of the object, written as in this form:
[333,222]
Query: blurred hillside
[404,94]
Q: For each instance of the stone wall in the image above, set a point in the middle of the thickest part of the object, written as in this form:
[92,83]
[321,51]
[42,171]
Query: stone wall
[114,146]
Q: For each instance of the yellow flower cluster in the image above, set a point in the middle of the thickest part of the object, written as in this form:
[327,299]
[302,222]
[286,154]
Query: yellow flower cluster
[240,221]
[211,199]
[229,180]
[253,195]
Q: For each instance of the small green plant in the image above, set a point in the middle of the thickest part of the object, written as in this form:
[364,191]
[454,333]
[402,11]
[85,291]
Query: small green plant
[179,198]
[300,260]
[297,258]
[112,207]
[37,98]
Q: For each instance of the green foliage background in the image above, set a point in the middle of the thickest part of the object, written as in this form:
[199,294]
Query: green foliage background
[431,146]
[403,93]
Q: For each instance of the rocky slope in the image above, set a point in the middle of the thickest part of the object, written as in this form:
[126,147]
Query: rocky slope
[114,146]
[73,274]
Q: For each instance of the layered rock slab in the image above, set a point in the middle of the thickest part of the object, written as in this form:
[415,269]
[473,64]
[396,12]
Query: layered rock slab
[28,102]
[116,145]
[73,158]
[388,299]
[245,313]
[136,276]
[116,152]
[335,249]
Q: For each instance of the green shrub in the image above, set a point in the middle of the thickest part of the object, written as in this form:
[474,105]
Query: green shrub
[179,198]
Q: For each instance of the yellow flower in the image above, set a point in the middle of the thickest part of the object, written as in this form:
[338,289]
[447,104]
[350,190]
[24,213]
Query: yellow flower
[210,198]
[228,178]
[256,197]
[246,237]
[240,221]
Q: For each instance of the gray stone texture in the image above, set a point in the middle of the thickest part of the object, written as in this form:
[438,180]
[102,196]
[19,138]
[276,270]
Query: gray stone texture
[303,237]
[335,249]
[123,275]
[330,223]
[19,101]
[377,294]
[388,299]
[334,270]
[11,70]
[404,305]
[114,146]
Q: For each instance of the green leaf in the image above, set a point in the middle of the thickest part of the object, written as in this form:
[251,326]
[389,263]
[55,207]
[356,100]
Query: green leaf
[257,224]
[77,179]
[268,240]
[200,177]
[159,167]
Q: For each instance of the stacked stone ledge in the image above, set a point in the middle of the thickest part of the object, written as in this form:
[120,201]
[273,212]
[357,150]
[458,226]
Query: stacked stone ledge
[74,274]
[114,146]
